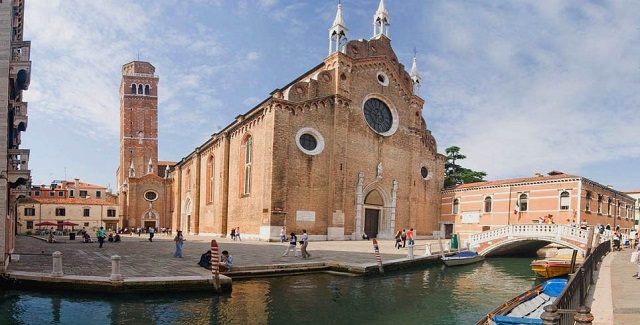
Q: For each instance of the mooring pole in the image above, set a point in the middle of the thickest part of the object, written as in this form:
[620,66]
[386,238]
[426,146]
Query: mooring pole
[215,264]
[378,258]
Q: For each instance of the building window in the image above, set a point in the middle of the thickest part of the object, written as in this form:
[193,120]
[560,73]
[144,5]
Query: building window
[36,193]
[70,193]
[140,90]
[309,141]
[29,212]
[29,224]
[98,194]
[52,193]
[378,115]
[456,206]
[487,204]
[150,196]
[609,206]
[618,209]
[523,202]
[111,213]
[599,203]
[133,88]
[60,193]
[83,194]
[247,166]
[86,224]
[587,203]
[565,200]
[211,172]
[60,212]
[86,212]
[146,90]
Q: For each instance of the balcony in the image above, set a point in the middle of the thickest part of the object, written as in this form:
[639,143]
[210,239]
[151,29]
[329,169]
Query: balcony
[18,172]
[20,66]
[20,118]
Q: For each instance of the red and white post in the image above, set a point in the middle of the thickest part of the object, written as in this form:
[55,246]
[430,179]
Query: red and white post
[215,265]
[378,258]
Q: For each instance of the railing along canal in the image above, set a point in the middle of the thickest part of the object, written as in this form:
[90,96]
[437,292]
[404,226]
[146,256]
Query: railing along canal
[571,300]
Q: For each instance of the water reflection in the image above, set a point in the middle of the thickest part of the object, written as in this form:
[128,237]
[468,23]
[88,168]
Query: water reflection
[432,295]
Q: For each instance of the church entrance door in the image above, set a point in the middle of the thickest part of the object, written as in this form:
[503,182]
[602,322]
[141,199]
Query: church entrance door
[148,224]
[371,217]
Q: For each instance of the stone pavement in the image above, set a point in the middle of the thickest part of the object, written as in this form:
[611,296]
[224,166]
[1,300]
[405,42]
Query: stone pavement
[141,258]
[615,298]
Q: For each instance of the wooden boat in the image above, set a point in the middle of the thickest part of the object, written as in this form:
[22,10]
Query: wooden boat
[527,307]
[557,263]
[463,258]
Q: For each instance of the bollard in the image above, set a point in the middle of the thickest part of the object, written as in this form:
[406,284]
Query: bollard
[427,250]
[215,265]
[550,315]
[583,316]
[378,258]
[441,247]
[115,269]
[57,264]
[410,252]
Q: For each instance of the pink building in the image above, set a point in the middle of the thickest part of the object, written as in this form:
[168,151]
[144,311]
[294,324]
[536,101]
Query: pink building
[558,197]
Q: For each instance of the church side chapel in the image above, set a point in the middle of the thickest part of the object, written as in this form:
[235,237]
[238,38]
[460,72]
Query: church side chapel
[341,151]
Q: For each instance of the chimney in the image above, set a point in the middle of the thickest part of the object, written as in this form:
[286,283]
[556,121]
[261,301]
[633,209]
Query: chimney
[76,186]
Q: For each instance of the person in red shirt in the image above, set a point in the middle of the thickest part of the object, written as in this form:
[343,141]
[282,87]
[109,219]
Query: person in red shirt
[410,236]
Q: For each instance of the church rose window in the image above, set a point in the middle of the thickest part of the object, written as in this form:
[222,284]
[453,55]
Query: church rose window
[150,196]
[378,115]
[308,142]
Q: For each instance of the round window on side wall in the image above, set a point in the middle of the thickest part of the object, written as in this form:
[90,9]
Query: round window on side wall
[382,78]
[425,171]
[150,196]
[309,141]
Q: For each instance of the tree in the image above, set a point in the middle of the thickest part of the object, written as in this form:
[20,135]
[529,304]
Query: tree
[456,174]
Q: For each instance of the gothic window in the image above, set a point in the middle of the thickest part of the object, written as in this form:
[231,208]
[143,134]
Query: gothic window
[487,204]
[523,202]
[247,165]
[456,206]
[565,200]
[146,90]
[587,204]
[140,90]
[134,88]
[211,168]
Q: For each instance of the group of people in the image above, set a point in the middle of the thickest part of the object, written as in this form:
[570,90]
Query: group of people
[235,234]
[293,243]
[402,236]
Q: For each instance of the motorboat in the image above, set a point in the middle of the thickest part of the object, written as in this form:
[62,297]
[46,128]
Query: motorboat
[527,307]
[556,265]
[463,258]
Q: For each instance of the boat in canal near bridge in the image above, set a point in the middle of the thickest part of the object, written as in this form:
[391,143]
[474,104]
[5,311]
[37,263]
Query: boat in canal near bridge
[557,265]
[463,258]
[527,307]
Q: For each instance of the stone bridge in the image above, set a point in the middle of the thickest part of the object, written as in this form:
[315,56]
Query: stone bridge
[527,238]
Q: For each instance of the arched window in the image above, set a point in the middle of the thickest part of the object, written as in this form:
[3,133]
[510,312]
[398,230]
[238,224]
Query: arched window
[618,209]
[523,202]
[609,206]
[140,90]
[146,90]
[247,165]
[587,203]
[599,203]
[210,177]
[565,200]
[133,88]
[487,204]
[374,198]
[456,206]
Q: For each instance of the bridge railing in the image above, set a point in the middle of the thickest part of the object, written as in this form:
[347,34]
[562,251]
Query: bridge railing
[530,230]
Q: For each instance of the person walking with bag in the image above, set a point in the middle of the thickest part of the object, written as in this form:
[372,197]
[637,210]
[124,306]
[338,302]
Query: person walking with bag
[304,243]
[179,239]
[293,240]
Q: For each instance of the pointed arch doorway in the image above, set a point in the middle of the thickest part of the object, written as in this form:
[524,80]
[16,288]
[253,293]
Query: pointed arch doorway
[373,207]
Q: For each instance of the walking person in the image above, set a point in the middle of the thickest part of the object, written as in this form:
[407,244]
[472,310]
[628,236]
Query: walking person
[404,237]
[637,276]
[283,235]
[101,236]
[151,231]
[233,233]
[238,234]
[410,237]
[179,239]
[304,243]
[293,241]
[398,239]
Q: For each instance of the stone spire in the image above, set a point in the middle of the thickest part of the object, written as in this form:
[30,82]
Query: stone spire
[338,33]
[381,21]
[415,77]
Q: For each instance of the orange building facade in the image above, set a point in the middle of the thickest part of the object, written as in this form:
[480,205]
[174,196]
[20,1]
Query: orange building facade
[557,197]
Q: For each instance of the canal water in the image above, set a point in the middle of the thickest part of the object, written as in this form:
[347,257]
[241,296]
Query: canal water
[428,295]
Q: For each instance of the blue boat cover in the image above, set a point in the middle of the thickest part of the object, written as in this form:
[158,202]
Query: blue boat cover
[499,319]
[553,287]
[465,254]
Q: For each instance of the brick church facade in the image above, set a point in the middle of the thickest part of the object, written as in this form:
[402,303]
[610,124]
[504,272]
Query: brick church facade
[340,151]
[144,188]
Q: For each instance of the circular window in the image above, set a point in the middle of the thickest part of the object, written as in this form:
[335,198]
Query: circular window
[425,169]
[309,141]
[383,79]
[424,172]
[150,195]
[378,115]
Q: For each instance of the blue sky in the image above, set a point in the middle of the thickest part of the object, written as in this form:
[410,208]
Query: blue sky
[520,86]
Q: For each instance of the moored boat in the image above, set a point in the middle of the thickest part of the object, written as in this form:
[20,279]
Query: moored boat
[463,258]
[527,307]
[552,268]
